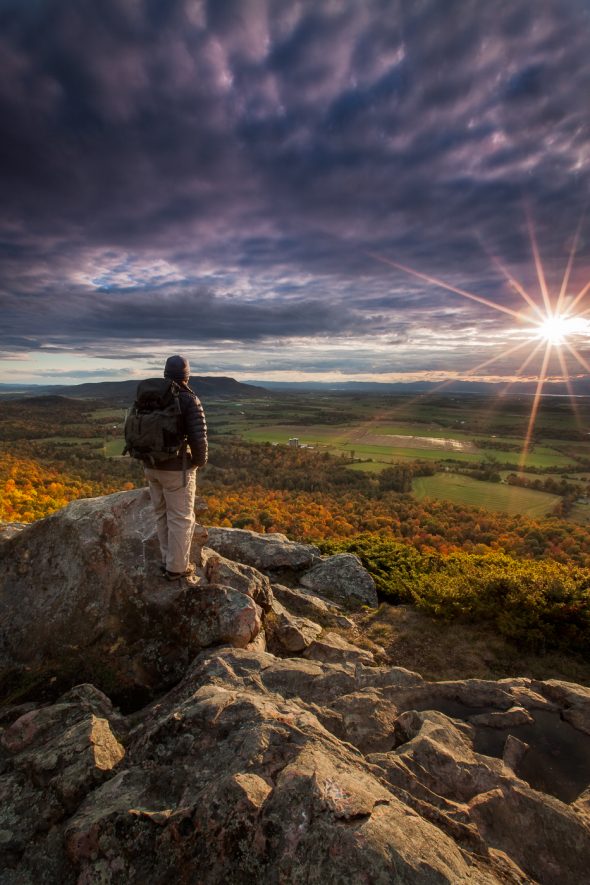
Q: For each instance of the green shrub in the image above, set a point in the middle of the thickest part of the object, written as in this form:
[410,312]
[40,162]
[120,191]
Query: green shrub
[394,566]
[537,604]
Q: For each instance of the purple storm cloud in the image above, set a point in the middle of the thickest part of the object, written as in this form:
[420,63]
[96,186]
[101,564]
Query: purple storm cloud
[220,175]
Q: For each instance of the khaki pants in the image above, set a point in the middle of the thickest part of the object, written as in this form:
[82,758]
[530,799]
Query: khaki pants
[174,504]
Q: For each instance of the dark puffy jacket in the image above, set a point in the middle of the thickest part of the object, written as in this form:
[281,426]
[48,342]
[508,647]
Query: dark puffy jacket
[195,428]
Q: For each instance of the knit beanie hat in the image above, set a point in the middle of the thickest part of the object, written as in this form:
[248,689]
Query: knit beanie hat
[177,368]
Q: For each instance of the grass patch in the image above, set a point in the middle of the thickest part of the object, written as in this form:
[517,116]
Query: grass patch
[440,651]
[370,466]
[493,496]
[114,447]
[580,513]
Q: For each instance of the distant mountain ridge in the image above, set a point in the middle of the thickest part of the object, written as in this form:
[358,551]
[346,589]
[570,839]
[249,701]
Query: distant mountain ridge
[579,387]
[205,387]
[224,386]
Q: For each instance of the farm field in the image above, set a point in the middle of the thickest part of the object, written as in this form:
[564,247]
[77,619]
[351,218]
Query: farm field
[368,433]
[493,496]
[113,448]
[580,513]
[401,441]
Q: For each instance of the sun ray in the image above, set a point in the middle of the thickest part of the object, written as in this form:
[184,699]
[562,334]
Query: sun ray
[495,402]
[472,371]
[568,268]
[494,359]
[577,300]
[577,356]
[521,368]
[539,267]
[570,389]
[529,358]
[518,287]
[535,407]
[443,285]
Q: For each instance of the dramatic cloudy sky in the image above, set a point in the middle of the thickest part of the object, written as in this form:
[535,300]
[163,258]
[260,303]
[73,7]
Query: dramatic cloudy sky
[229,180]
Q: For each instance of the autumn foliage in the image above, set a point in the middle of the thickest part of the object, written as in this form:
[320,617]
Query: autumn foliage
[529,579]
[30,491]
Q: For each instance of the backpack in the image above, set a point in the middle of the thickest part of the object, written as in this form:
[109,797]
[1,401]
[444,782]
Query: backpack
[154,427]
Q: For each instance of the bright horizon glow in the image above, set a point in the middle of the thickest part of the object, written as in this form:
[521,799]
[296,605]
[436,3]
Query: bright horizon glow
[556,328]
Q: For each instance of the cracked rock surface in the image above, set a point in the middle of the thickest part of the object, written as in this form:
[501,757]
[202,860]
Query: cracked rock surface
[263,769]
[270,750]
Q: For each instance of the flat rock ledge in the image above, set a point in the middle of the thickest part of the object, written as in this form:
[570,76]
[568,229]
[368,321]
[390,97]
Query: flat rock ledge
[271,552]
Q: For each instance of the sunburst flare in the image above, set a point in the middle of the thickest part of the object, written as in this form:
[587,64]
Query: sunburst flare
[553,321]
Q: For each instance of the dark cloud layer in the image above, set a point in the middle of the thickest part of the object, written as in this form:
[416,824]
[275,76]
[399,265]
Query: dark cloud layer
[211,172]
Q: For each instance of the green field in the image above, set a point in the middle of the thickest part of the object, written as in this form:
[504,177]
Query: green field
[368,466]
[114,447]
[339,440]
[493,496]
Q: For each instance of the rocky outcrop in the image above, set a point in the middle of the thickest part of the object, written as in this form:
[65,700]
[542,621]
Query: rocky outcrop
[245,578]
[82,590]
[261,769]
[574,699]
[333,647]
[343,578]
[303,602]
[288,634]
[269,553]
[300,762]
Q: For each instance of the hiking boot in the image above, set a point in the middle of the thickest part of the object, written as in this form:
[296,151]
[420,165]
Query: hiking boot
[176,576]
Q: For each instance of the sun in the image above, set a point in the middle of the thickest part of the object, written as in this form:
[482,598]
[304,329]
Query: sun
[556,328]
[556,323]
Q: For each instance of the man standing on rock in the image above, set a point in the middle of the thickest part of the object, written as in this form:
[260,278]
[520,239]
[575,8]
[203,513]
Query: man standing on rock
[173,483]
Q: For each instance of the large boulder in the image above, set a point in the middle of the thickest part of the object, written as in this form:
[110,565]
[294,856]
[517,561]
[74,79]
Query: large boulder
[287,633]
[272,552]
[81,590]
[342,577]
[245,578]
[300,601]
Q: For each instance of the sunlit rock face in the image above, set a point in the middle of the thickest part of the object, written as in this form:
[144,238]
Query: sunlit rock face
[256,768]
[343,578]
[83,589]
[81,592]
[232,764]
